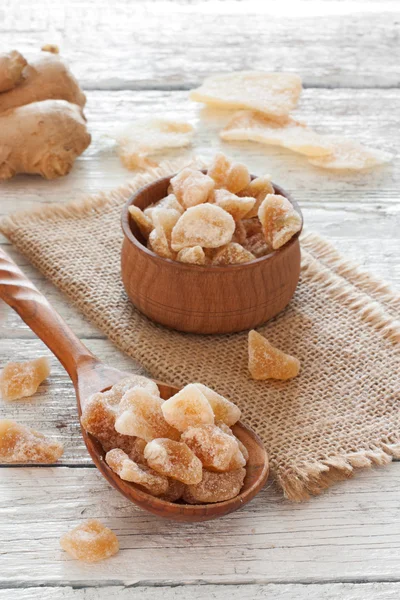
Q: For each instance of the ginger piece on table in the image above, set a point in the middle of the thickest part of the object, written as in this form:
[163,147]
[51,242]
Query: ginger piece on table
[205,225]
[279,220]
[258,188]
[232,254]
[211,445]
[90,541]
[194,256]
[188,408]
[129,470]
[350,155]
[215,487]
[274,94]
[142,221]
[234,177]
[141,415]
[21,380]
[267,362]
[191,187]
[20,444]
[173,459]
[224,410]
[237,206]
[12,65]
[52,48]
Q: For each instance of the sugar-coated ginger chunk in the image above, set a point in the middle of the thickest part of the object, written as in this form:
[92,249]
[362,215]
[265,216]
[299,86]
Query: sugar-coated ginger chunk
[142,221]
[169,202]
[90,541]
[175,490]
[215,487]
[19,380]
[279,220]
[173,459]
[20,444]
[188,408]
[194,256]
[229,431]
[137,450]
[267,362]
[211,445]
[224,410]
[141,415]
[237,206]
[239,237]
[257,245]
[274,94]
[115,394]
[232,254]
[158,241]
[350,155]
[205,225]
[165,218]
[234,177]
[191,187]
[258,188]
[296,136]
[129,470]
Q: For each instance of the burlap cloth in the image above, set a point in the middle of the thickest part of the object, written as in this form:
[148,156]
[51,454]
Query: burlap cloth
[341,412]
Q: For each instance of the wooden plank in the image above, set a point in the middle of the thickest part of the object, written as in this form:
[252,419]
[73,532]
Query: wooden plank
[329,591]
[171,44]
[351,533]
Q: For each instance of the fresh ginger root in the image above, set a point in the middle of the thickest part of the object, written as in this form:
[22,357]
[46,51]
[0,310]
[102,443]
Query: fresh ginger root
[11,66]
[45,78]
[41,137]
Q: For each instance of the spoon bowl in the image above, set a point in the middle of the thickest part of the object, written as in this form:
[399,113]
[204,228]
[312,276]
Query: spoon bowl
[89,375]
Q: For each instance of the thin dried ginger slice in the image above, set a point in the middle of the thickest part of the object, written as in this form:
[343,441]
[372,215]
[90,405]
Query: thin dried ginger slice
[350,155]
[267,362]
[274,94]
[205,225]
[237,206]
[211,445]
[174,459]
[20,380]
[294,135]
[129,470]
[90,541]
[194,256]
[141,415]
[279,220]
[215,487]
[191,187]
[20,444]
[188,408]
[143,222]
[146,137]
[258,188]
[224,410]
[233,177]
[232,254]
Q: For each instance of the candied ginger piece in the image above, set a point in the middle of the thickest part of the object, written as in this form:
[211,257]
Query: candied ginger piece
[274,94]
[205,225]
[294,135]
[20,444]
[188,408]
[234,177]
[267,362]
[142,221]
[175,490]
[141,415]
[158,241]
[166,219]
[115,394]
[236,206]
[240,233]
[137,450]
[194,255]
[147,136]
[90,541]
[191,187]
[211,445]
[251,227]
[229,431]
[129,470]
[350,155]
[173,459]
[169,201]
[19,380]
[279,220]
[215,487]
[232,254]
[258,188]
[257,245]
[224,410]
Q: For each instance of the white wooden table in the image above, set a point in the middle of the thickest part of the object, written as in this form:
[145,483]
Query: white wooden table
[135,59]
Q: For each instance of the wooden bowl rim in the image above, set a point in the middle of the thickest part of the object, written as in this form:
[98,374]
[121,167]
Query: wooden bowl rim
[129,235]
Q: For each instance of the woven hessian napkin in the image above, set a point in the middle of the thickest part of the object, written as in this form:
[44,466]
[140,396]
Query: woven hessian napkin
[340,413]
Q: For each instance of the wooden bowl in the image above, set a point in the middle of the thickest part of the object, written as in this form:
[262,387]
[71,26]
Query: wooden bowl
[205,299]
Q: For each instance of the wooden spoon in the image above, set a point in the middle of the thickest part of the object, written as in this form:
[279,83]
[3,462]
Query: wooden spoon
[89,375]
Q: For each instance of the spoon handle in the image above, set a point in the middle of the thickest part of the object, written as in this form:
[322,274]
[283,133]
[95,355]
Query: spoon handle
[33,308]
